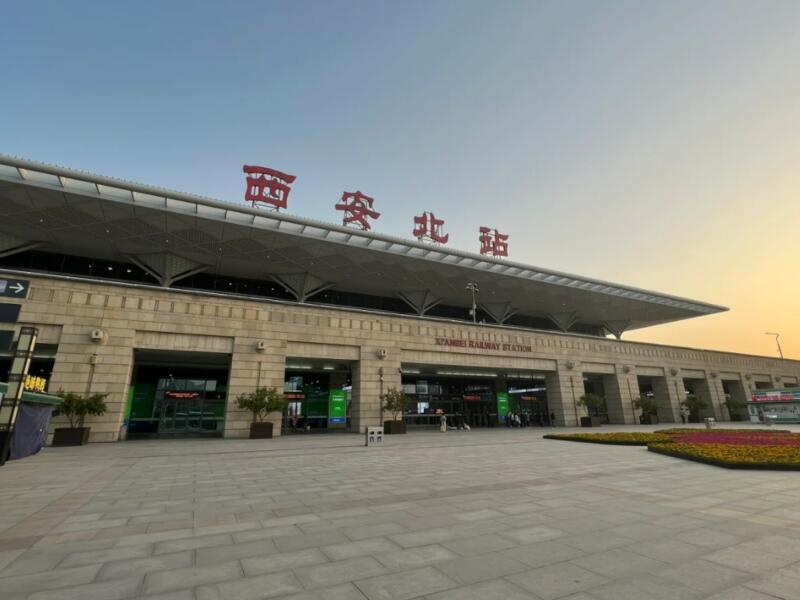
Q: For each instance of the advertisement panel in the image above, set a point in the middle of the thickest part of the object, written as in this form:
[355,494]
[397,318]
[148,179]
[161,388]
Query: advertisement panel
[337,407]
[502,406]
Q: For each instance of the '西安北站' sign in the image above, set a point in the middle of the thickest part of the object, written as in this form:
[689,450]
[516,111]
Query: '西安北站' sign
[481,345]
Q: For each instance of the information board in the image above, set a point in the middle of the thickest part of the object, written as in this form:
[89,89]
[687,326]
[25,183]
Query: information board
[16,288]
[502,406]
[337,407]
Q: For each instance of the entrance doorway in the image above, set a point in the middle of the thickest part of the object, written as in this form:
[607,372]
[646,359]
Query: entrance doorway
[476,398]
[318,394]
[177,394]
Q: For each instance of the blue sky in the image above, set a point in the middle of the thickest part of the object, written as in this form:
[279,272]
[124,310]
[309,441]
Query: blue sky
[646,142]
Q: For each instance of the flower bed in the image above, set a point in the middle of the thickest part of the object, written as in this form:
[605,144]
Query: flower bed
[731,448]
[618,439]
[734,456]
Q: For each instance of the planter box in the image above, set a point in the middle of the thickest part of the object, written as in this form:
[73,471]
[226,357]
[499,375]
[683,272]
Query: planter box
[261,431]
[591,421]
[394,427]
[71,436]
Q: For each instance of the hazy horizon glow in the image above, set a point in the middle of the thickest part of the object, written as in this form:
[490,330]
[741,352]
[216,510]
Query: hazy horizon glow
[646,143]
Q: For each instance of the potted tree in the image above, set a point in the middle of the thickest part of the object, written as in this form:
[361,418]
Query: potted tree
[647,405]
[261,403]
[695,406]
[395,401]
[75,407]
[594,404]
[736,408]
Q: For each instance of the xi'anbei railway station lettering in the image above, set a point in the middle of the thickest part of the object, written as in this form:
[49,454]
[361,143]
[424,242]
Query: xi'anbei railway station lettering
[269,188]
[479,345]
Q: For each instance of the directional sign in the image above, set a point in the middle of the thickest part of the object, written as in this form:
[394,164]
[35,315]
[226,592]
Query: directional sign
[16,288]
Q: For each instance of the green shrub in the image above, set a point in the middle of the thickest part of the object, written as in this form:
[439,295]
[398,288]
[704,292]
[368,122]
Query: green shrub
[261,402]
[395,401]
[76,406]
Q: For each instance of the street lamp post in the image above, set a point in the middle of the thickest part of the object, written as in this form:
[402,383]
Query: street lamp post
[473,287]
[777,341]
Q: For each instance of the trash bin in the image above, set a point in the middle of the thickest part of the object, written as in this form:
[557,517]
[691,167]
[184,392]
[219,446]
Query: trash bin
[373,436]
[709,421]
[769,420]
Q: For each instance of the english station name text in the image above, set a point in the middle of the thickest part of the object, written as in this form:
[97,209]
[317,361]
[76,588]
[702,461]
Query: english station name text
[496,346]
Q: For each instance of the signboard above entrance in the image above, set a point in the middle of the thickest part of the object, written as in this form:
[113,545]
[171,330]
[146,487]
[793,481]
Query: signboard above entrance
[480,345]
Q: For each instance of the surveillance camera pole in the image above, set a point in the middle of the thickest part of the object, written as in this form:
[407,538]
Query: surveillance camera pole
[777,341]
[473,287]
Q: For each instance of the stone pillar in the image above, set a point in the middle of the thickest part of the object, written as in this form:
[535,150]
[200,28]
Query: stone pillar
[564,387]
[371,377]
[738,391]
[668,392]
[87,367]
[621,390]
[704,388]
[717,395]
[250,370]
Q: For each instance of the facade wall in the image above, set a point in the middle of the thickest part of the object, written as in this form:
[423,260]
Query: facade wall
[67,310]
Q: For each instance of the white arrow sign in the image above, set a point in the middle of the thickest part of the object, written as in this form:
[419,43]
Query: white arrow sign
[18,288]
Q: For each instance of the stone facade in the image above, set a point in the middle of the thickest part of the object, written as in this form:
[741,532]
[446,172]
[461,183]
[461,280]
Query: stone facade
[130,317]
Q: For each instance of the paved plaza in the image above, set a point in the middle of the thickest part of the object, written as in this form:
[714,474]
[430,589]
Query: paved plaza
[464,515]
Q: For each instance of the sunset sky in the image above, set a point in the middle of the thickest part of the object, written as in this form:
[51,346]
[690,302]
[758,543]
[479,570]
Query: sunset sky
[655,144]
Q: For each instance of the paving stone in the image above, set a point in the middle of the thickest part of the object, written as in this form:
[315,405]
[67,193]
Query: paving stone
[418,556]
[280,562]
[473,569]
[59,578]
[666,550]
[618,563]
[141,566]
[217,554]
[250,588]
[531,535]
[347,591]
[329,574]
[498,589]
[192,543]
[362,548]
[543,553]
[108,555]
[117,589]
[405,585]
[557,580]
[704,576]
[300,542]
[175,579]
[781,584]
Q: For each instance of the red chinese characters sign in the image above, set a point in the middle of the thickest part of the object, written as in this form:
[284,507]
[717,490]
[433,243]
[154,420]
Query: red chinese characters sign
[493,242]
[357,207]
[267,186]
[427,226]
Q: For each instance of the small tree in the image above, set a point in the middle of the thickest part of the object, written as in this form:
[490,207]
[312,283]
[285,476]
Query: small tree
[646,404]
[261,402]
[594,403]
[694,405]
[395,401]
[76,406]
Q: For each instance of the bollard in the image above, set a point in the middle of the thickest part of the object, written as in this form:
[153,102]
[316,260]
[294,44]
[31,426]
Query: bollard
[373,436]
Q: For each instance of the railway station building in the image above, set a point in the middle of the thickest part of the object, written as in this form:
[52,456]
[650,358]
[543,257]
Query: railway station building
[173,304]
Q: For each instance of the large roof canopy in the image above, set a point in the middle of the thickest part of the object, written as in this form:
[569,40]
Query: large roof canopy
[172,235]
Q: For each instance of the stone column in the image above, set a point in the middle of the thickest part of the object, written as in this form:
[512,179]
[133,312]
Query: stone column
[564,387]
[705,389]
[621,389]
[84,366]
[250,370]
[668,392]
[717,395]
[371,377]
